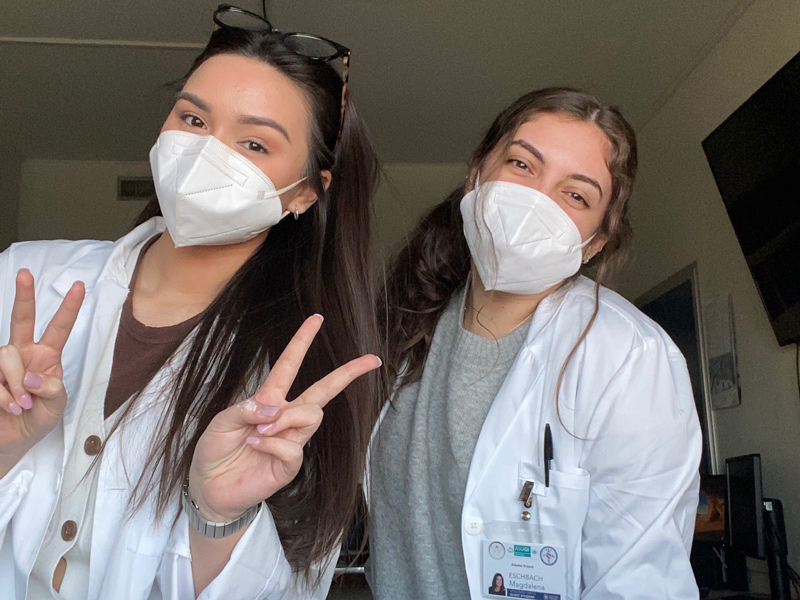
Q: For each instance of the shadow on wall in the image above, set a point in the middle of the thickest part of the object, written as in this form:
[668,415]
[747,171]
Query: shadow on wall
[406,192]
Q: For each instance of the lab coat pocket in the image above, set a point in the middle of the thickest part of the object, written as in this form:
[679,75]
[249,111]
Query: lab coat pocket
[132,565]
[571,485]
[564,505]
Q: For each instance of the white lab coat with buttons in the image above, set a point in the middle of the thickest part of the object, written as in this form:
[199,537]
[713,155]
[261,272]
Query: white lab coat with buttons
[627,443]
[133,557]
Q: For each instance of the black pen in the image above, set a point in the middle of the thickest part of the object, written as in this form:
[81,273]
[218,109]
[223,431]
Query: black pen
[548,453]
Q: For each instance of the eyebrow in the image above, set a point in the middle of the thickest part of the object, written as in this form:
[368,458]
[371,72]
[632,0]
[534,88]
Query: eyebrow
[264,122]
[243,120]
[530,149]
[201,104]
[588,180]
[540,157]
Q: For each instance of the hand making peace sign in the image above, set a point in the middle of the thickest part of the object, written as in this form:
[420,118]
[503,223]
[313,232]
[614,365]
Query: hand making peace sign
[32,394]
[254,448]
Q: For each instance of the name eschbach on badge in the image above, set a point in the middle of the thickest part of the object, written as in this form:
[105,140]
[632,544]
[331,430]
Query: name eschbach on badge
[524,570]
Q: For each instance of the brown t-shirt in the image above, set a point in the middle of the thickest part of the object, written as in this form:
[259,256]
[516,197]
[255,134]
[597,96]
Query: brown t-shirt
[140,351]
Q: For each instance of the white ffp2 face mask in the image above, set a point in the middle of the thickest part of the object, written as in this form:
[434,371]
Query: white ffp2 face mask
[210,194]
[521,241]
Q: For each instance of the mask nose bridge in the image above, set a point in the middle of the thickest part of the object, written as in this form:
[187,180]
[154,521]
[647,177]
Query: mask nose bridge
[221,157]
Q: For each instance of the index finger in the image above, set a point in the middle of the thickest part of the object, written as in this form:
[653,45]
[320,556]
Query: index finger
[285,369]
[330,386]
[60,326]
[23,311]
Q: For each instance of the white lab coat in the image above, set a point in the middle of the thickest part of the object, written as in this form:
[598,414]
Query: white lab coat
[131,558]
[624,480]
[627,443]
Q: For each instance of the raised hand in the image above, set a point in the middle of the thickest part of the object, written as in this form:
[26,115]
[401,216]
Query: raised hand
[32,394]
[253,449]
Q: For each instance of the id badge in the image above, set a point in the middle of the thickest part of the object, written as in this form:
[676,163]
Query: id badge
[520,561]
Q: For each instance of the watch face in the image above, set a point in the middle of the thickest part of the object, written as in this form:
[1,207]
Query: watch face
[497,550]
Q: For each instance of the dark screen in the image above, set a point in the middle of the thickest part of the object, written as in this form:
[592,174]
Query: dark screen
[744,508]
[755,158]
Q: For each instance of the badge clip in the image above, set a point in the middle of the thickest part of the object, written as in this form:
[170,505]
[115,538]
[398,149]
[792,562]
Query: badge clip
[526,495]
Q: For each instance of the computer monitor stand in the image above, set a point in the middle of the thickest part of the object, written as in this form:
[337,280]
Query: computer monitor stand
[775,534]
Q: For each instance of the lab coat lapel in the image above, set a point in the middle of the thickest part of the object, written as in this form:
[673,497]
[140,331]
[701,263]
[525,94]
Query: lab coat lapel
[509,402]
[98,318]
[516,394]
[109,297]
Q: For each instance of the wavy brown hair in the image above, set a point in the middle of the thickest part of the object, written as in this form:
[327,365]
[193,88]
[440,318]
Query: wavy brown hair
[435,263]
[316,264]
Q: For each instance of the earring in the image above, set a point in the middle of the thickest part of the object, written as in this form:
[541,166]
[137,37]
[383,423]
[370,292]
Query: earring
[296,214]
[585,260]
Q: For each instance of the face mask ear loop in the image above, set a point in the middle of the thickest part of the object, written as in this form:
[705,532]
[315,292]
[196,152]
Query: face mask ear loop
[586,259]
[277,194]
[289,187]
[586,243]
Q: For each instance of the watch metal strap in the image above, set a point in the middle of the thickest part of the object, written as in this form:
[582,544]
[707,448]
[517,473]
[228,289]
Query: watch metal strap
[209,528]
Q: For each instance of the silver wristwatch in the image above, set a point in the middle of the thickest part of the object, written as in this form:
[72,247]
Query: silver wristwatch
[209,528]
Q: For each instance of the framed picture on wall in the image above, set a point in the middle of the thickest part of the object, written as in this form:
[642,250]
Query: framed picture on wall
[721,349]
[675,305]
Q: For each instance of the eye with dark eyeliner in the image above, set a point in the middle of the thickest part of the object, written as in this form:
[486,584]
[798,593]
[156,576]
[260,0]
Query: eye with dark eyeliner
[193,120]
[253,146]
[520,164]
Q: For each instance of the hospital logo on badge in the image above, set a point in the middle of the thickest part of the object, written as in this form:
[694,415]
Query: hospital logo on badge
[497,550]
[548,555]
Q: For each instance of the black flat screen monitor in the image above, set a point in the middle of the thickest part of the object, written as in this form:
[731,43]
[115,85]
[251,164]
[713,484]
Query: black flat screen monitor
[745,508]
[755,157]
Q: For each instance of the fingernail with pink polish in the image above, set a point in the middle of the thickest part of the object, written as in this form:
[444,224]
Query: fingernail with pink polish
[269,411]
[253,440]
[26,402]
[32,380]
[14,409]
[264,427]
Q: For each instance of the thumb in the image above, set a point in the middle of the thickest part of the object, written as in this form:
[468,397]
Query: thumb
[45,386]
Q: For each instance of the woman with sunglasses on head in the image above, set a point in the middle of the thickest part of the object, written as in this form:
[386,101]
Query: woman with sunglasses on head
[156,440]
[540,425]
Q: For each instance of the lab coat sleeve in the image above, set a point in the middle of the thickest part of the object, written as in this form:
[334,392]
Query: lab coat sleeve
[257,569]
[14,486]
[643,456]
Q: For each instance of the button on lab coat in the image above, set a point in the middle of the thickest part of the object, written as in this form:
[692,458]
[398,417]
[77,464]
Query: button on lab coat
[624,480]
[133,556]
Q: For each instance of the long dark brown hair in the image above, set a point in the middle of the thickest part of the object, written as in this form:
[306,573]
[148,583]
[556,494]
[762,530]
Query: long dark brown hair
[316,264]
[435,263]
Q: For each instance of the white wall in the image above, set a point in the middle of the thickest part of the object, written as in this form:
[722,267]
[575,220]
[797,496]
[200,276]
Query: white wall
[678,217]
[10,172]
[68,199]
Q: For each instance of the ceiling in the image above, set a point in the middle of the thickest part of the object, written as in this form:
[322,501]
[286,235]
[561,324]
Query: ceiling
[427,75]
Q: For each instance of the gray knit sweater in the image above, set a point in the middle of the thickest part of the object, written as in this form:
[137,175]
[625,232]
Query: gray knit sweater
[420,462]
